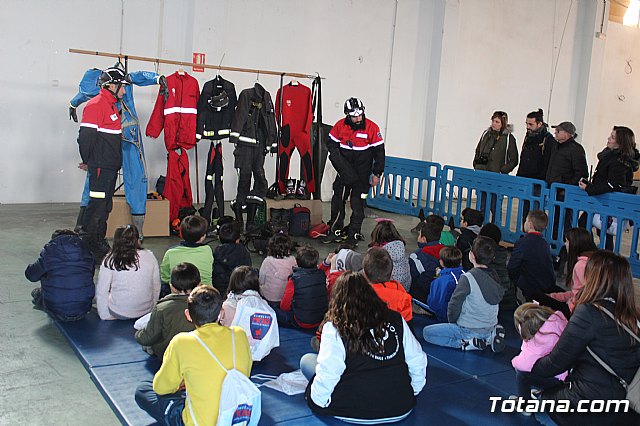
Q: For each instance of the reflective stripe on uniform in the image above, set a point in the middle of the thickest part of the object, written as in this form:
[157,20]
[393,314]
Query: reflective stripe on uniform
[364,196]
[180,110]
[209,177]
[246,139]
[97,194]
[224,131]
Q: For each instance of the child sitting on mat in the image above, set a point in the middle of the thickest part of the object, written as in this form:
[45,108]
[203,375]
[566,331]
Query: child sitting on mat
[443,286]
[65,270]
[228,255]
[540,328]
[167,318]
[192,249]
[129,281]
[386,235]
[276,268]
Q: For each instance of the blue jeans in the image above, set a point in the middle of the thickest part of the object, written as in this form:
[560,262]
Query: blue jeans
[166,409]
[454,336]
[308,364]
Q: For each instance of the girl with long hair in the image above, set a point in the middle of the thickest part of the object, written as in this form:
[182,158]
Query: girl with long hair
[608,285]
[370,366]
[276,268]
[579,244]
[386,235]
[129,280]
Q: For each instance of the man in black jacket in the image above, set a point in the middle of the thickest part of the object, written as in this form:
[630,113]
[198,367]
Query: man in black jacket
[536,152]
[356,150]
[568,164]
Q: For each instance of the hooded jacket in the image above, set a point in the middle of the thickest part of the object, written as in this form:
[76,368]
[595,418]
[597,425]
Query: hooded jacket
[65,269]
[441,290]
[465,242]
[541,344]
[501,158]
[401,271]
[536,153]
[254,122]
[577,282]
[568,163]
[614,172]
[473,307]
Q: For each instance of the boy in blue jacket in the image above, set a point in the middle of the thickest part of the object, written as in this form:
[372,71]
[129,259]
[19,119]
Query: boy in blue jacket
[424,261]
[65,271]
[443,286]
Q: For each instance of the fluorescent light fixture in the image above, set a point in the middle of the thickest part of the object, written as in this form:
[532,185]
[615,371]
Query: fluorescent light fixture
[632,15]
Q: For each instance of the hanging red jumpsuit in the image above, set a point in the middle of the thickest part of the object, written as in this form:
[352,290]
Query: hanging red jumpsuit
[297,115]
[177,116]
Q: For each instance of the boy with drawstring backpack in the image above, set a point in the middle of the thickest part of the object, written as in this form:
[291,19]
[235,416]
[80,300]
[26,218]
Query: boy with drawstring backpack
[198,364]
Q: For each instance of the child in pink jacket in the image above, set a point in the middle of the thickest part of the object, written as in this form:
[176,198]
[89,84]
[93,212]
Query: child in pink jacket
[579,246]
[276,268]
[540,328]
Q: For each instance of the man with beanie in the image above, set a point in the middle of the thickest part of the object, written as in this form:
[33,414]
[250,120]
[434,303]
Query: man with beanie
[356,150]
[568,164]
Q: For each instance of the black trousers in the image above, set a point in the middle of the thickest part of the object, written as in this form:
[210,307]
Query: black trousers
[357,194]
[213,189]
[249,161]
[102,184]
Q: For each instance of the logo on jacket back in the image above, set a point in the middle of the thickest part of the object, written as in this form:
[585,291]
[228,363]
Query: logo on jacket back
[242,414]
[260,323]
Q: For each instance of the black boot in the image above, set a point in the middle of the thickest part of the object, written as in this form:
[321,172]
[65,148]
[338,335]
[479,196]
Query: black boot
[237,210]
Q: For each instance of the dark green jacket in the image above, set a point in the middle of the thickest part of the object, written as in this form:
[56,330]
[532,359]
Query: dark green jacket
[167,320]
[501,159]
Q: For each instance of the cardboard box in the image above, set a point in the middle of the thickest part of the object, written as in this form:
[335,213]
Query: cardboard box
[315,206]
[156,222]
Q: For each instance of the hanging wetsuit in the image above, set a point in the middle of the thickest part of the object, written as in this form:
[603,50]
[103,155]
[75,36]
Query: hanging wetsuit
[253,131]
[134,171]
[177,116]
[296,126]
[215,110]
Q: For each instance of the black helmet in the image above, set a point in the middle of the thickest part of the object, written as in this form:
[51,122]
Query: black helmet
[114,75]
[353,107]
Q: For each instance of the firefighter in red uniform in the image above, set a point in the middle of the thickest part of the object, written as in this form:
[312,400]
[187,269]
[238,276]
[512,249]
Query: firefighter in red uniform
[100,144]
[356,150]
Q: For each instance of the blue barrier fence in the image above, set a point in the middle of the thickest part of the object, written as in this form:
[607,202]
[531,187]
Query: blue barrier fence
[407,187]
[411,185]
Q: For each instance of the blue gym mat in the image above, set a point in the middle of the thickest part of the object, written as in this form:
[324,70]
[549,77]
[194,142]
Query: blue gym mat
[459,384]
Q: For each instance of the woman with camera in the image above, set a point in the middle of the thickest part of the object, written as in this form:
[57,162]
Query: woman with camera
[496,152]
[614,173]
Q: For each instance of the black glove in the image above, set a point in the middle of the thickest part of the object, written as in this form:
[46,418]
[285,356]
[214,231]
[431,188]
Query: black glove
[72,113]
[164,89]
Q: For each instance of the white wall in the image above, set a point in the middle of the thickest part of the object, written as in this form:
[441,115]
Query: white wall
[430,72]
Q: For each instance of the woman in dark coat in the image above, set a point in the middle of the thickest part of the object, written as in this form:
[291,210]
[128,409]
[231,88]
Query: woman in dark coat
[609,285]
[614,172]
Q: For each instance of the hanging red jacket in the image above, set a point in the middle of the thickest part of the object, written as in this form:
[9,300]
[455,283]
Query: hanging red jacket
[177,117]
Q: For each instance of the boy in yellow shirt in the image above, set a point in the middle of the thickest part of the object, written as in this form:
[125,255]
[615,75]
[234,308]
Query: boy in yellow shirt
[187,366]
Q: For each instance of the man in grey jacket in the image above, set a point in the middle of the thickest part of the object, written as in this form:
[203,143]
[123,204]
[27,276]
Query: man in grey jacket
[473,308]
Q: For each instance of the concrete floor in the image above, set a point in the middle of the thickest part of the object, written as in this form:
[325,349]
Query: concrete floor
[42,380]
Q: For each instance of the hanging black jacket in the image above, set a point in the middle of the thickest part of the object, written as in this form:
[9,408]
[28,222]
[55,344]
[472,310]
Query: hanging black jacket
[568,163]
[310,301]
[214,122]
[589,326]
[614,172]
[254,122]
[536,153]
